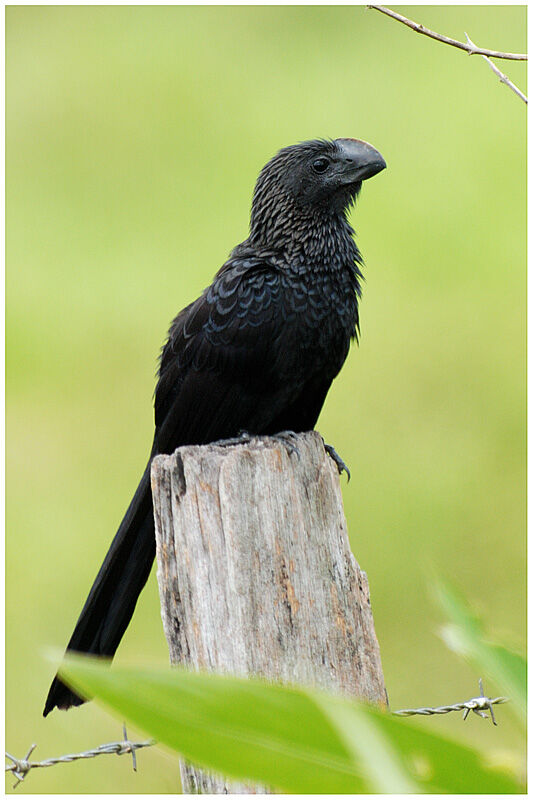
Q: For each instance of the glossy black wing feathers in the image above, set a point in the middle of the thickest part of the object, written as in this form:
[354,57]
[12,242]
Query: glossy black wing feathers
[219,362]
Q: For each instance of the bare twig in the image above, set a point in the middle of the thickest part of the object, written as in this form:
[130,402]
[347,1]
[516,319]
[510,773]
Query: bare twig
[503,78]
[476,704]
[468,47]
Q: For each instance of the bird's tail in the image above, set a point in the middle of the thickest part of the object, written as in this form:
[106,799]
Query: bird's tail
[112,599]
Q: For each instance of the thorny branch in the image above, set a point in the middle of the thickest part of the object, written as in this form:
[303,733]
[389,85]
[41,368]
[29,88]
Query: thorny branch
[503,78]
[21,766]
[469,46]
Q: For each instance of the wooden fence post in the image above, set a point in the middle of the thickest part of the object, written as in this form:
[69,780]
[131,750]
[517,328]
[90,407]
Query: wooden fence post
[255,572]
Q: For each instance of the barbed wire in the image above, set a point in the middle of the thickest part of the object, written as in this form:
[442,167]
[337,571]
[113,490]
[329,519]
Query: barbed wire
[476,704]
[21,766]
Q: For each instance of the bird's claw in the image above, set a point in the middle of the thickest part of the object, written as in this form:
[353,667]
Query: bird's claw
[341,466]
[287,439]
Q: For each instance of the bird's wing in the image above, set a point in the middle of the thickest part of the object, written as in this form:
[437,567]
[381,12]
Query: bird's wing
[220,369]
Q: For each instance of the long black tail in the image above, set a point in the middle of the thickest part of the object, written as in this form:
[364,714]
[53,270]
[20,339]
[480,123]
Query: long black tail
[112,599]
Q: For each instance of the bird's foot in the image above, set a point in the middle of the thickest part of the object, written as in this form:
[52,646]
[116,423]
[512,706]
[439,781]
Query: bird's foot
[287,439]
[243,437]
[341,466]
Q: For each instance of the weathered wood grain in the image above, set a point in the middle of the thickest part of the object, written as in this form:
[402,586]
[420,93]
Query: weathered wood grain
[255,572]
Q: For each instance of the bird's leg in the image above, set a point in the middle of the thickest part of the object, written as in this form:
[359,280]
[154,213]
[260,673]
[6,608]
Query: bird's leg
[341,466]
[243,437]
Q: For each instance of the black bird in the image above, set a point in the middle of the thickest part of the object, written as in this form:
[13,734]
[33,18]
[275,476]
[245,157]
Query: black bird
[257,351]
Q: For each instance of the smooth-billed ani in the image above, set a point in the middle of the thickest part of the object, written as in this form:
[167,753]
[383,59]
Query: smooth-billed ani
[257,351]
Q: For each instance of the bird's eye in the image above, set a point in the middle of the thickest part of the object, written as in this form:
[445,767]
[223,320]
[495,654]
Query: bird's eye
[320,164]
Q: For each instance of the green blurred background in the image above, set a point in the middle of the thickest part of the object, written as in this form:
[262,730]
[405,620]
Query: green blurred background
[134,137]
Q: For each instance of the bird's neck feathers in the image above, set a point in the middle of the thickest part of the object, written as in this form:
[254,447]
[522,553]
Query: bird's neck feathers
[317,236]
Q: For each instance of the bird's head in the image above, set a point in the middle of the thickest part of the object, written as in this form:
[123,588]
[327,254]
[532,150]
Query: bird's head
[319,173]
[307,185]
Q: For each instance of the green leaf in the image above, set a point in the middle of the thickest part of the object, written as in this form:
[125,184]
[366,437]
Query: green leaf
[464,635]
[296,740]
[242,729]
[435,763]
[368,746]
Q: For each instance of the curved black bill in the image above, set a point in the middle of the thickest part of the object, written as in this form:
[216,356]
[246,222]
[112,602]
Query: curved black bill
[358,160]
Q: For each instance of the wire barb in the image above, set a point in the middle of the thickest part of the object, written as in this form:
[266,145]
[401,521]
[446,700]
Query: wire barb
[128,747]
[477,704]
[21,766]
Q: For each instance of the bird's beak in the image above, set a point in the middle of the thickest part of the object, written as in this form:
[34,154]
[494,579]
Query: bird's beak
[358,160]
